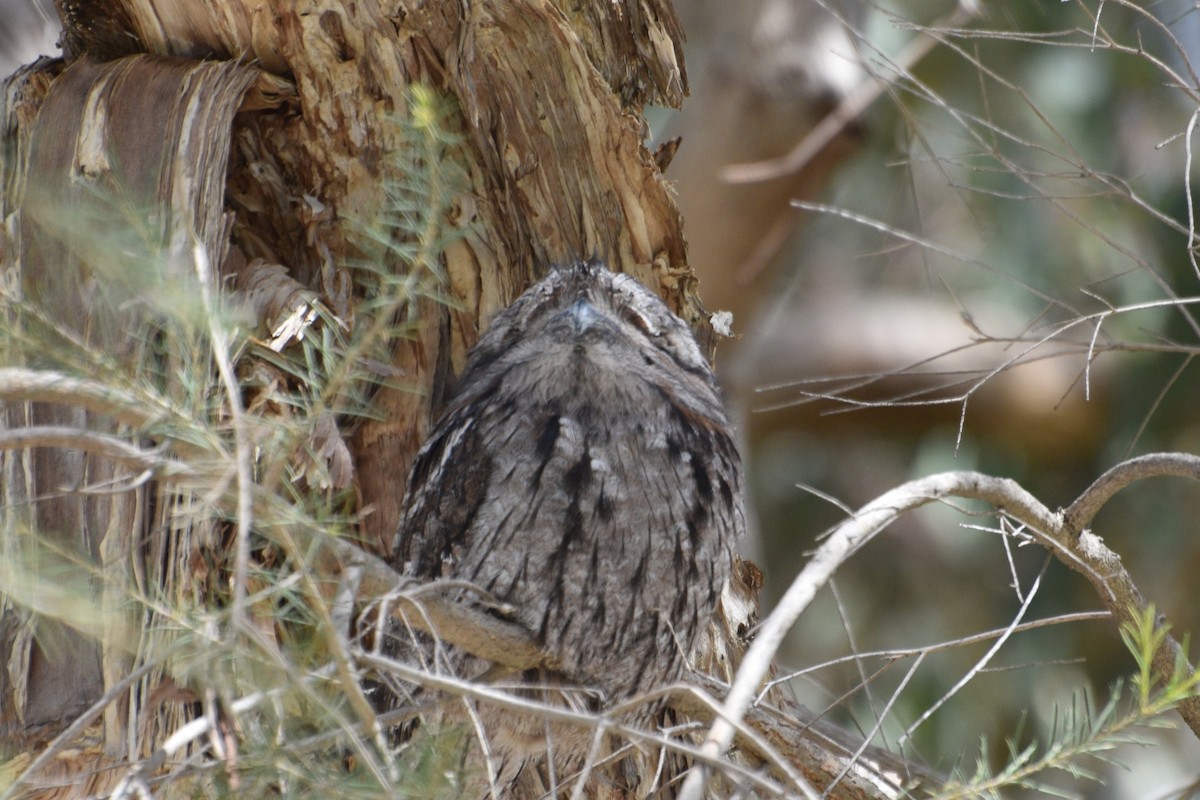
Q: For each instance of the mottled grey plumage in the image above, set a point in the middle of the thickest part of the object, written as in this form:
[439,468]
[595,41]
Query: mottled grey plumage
[584,472]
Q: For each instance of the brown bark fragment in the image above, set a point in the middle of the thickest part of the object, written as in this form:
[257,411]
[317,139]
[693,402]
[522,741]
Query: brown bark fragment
[144,138]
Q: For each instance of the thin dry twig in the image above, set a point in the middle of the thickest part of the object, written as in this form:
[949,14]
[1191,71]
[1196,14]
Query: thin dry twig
[111,447]
[848,110]
[983,661]
[914,652]
[18,384]
[244,515]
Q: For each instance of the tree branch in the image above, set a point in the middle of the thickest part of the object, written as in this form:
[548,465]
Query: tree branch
[1082,551]
[464,626]
[111,447]
[1080,513]
[18,384]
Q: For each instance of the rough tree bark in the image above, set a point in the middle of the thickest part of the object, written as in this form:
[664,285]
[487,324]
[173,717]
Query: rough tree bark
[264,131]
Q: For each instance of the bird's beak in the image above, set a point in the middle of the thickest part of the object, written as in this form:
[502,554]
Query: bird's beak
[583,315]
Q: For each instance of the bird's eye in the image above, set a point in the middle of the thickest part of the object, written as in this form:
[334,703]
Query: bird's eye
[639,321]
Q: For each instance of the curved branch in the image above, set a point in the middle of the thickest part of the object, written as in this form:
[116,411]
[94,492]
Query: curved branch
[110,447]
[18,384]
[844,540]
[1081,512]
[373,581]
[1083,552]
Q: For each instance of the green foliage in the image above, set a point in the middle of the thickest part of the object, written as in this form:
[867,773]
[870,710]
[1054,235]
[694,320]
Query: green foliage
[1083,737]
[1144,635]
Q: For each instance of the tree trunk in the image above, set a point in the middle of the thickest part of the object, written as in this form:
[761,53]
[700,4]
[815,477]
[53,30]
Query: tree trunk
[266,137]
[157,107]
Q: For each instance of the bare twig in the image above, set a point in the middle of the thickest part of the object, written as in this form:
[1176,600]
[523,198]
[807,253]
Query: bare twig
[242,456]
[982,662]
[18,384]
[915,652]
[848,110]
[101,444]
[844,540]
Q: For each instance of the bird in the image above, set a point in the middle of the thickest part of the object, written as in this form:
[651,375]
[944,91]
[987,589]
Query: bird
[585,475]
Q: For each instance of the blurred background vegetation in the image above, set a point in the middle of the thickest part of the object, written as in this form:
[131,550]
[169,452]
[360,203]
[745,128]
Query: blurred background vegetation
[1020,167]
[1006,169]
